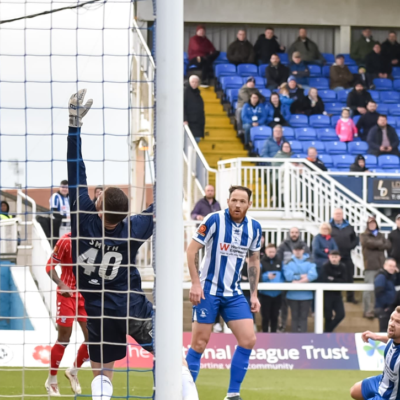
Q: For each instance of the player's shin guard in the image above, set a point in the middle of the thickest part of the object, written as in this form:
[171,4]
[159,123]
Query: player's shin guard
[193,361]
[189,391]
[56,355]
[102,388]
[240,363]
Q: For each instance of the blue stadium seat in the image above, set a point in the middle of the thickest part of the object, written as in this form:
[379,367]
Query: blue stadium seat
[382,108]
[319,83]
[348,60]
[335,147]
[327,95]
[333,170]
[298,120]
[356,148]
[299,155]
[221,59]
[258,145]
[370,161]
[383,84]
[396,84]
[334,108]
[375,95]
[327,134]
[326,159]
[356,118]
[232,95]
[329,57]
[376,170]
[334,120]
[231,82]
[261,69]
[343,161]
[225,70]
[260,132]
[260,82]
[284,58]
[396,72]
[388,162]
[353,69]
[390,97]
[297,148]
[305,133]
[392,121]
[319,121]
[398,130]
[288,132]
[326,71]
[317,144]
[185,56]
[266,93]
[393,109]
[342,95]
[315,70]
[247,70]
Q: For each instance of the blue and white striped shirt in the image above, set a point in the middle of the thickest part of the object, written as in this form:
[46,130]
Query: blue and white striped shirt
[60,203]
[389,384]
[226,247]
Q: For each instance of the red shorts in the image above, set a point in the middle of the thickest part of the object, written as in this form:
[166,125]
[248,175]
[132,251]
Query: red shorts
[68,311]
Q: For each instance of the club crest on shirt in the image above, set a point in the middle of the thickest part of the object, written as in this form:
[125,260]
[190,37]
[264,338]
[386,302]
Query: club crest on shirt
[202,230]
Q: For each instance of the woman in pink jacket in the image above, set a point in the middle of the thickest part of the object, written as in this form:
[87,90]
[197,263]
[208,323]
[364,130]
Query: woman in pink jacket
[345,127]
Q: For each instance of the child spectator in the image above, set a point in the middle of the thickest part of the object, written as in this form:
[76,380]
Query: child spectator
[345,127]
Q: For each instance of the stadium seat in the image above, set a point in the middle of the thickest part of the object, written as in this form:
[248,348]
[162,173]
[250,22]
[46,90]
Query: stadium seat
[319,121]
[353,69]
[343,161]
[390,97]
[258,145]
[382,108]
[221,59]
[297,148]
[348,60]
[247,70]
[306,133]
[375,95]
[396,84]
[329,57]
[298,120]
[327,134]
[396,72]
[326,159]
[299,155]
[284,58]
[315,70]
[392,121]
[342,95]
[370,161]
[185,56]
[326,71]
[319,83]
[333,148]
[356,148]
[261,69]
[266,93]
[231,82]
[260,82]
[334,120]
[317,144]
[334,108]
[388,162]
[260,132]
[232,95]
[327,95]
[398,130]
[393,109]
[383,84]
[356,118]
[225,70]
[288,133]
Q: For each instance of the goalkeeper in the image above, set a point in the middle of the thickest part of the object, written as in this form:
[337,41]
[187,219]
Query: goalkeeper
[104,256]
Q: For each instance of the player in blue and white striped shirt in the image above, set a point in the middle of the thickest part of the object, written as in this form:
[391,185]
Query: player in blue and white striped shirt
[228,237]
[59,202]
[386,385]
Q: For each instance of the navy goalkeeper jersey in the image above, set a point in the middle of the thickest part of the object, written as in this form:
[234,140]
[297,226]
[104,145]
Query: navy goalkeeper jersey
[104,261]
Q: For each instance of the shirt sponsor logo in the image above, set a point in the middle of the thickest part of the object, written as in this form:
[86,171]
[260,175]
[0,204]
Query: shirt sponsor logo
[202,230]
[235,250]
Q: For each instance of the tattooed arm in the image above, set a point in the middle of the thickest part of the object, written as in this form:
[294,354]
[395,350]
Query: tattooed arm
[192,253]
[253,271]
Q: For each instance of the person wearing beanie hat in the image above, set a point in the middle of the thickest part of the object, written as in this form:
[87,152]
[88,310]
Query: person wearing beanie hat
[394,238]
[202,53]
[359,164]
[299,69]
[358,99]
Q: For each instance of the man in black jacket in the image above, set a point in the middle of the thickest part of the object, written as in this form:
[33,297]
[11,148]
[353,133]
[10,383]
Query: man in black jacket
[266,45]
[333,272]
[358,99]
[312,156]
[377,65]
[193,105]
[391,49]
[394,238]
[241,51]
[276,73]
[346,240]
[382,138]
[367,120]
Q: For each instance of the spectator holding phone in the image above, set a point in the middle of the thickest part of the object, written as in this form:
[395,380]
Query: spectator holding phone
[382,138]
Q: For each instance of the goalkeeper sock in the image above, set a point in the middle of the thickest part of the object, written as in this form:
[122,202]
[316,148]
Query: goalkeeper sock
[193,361]
[81,357]
[240,363]
[102,388]
[56,355]
[189,391]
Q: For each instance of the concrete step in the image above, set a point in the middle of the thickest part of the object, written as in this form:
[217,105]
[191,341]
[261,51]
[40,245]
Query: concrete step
[213,122]
[234,146]
[211,108]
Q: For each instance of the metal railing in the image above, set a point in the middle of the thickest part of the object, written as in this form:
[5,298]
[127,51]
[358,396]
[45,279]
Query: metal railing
[8,238]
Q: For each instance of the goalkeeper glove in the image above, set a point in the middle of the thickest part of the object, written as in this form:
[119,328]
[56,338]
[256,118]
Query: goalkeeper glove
[76,110]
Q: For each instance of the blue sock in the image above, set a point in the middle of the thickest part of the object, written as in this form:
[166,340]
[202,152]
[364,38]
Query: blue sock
[240,363]
[193,360]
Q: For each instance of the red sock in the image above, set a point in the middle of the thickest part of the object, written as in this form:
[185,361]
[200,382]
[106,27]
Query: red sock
[82,356]
[57,353]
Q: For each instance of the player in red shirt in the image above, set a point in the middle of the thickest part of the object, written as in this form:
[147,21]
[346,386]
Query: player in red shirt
[70,306]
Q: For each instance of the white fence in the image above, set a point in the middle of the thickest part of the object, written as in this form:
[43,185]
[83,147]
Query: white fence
[8,237]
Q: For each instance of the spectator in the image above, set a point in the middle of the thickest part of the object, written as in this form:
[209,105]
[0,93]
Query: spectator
[193,107]
[5,209]
[299,270]
[346,239]
[97,192]
[299,69]
[206,205]
[266,45]
[276,73]
[296,92]
[322,244]
[274,143]
[345,127]
[364,78]
[341,77]
[278,114]
[385,293]
[377,65]
[394,238]
[382,138]
[362,46]
[202,53]
[253,114]
[271,300]
[367,120]
[358,99]
[391,49]
[59,206]
[311,104]
[284,96]
[312,156]
[308,49]
[333,271]
[284,152]
[244,95]
[241,51]
[374,244]
[359,164]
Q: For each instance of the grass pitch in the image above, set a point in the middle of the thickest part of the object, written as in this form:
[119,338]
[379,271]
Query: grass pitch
[211,384]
